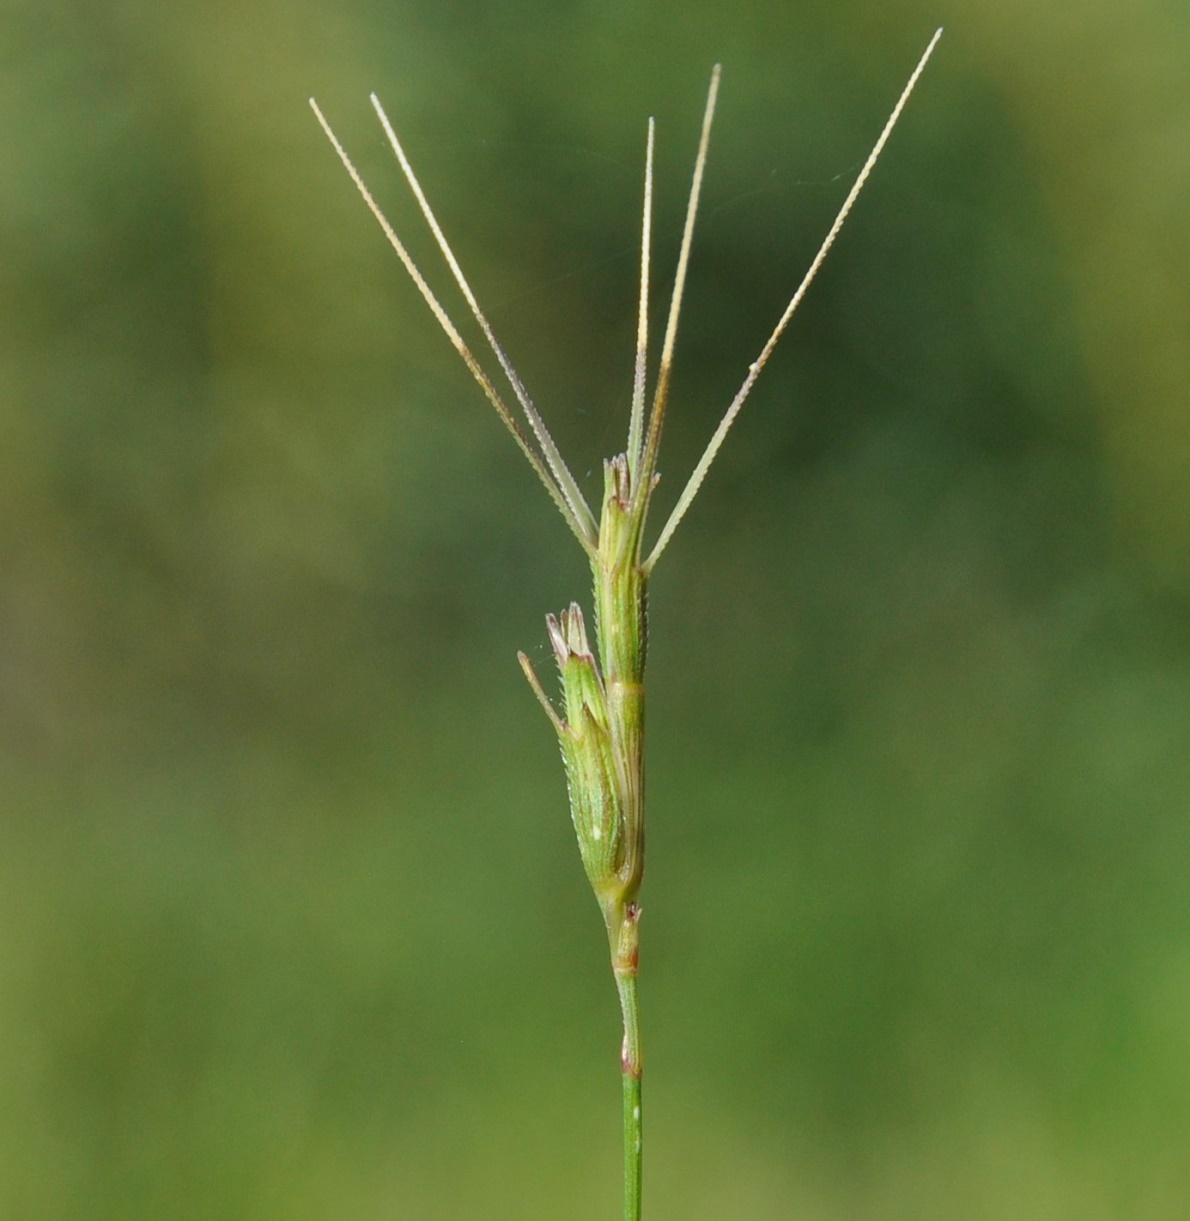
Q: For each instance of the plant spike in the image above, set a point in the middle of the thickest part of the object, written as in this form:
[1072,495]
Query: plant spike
[582,525]
[661,393]
[712,449]
[600,725]
[557,465]
[636,421]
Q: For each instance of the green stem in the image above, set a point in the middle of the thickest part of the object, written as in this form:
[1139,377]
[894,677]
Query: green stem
[630,1064]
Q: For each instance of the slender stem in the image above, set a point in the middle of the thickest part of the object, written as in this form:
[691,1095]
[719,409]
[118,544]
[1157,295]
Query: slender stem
[630,1065]
[632,1148]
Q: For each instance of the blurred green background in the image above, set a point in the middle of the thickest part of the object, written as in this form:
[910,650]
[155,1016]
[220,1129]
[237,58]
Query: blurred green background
[291,921]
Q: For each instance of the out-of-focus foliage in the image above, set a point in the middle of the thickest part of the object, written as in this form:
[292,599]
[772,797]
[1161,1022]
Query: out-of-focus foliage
[291,921]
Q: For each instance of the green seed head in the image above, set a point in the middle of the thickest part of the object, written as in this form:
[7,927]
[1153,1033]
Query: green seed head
[602,729]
